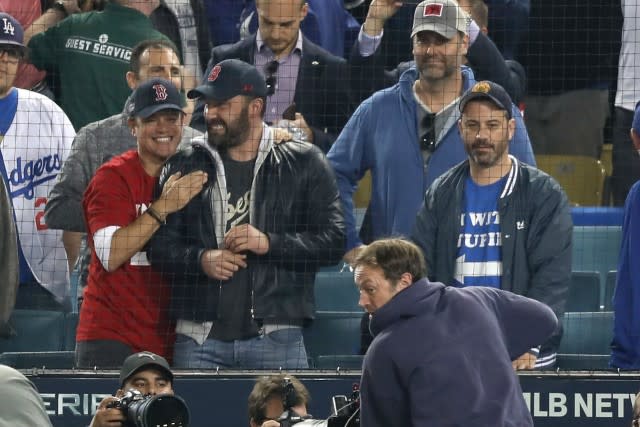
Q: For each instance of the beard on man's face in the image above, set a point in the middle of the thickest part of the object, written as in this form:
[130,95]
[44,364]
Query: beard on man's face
[233,133]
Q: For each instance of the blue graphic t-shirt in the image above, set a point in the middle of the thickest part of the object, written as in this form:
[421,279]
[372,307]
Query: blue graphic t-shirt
[479,256]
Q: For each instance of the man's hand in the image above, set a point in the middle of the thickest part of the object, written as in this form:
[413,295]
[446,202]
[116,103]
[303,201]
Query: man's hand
[178,191]
[524,362]
[107,417]
[379,12]
[71,6]
[301,124]
[281,135]
[222,264]
[246,237]
[350,256]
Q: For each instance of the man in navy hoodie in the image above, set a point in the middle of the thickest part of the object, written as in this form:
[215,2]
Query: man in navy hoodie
[437,346]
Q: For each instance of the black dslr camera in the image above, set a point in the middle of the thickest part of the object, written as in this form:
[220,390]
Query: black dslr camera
[345,411]
[152,411]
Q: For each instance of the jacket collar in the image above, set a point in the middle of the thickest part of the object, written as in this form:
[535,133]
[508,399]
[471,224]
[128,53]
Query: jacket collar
[512,178]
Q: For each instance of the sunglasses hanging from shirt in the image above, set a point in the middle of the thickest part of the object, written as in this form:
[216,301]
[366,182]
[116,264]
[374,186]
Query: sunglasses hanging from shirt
[428,137]
[271,76]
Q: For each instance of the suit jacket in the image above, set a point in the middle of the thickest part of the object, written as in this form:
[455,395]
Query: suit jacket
[322,92]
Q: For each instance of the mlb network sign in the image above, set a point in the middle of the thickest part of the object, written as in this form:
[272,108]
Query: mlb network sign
[554,400]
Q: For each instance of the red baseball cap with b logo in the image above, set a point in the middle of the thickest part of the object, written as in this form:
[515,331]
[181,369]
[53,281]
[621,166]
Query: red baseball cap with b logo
[155,95]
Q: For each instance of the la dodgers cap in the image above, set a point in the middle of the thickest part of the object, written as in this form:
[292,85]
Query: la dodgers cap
[229,78]
[11,31]
[444,17]
[143,359]
[636,119]
[155,95]
[488,90]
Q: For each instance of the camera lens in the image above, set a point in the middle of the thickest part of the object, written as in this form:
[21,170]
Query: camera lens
[159,411]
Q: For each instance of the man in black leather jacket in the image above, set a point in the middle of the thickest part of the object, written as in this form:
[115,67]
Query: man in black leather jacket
[242,255]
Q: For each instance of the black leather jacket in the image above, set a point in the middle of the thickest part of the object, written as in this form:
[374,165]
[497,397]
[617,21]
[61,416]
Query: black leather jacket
[294,200]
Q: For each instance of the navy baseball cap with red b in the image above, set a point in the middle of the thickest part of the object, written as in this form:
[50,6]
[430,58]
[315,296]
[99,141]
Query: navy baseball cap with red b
[229,78]
[11,31]
[155,95]
[144,359]
[490,91]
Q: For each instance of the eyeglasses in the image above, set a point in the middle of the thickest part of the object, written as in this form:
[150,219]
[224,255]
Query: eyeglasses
[271,73]
[428,138]
[13,53]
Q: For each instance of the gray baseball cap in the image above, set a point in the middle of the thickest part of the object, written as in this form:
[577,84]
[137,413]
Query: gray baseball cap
[444,17]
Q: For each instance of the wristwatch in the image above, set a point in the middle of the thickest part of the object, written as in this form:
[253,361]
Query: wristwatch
[59,5]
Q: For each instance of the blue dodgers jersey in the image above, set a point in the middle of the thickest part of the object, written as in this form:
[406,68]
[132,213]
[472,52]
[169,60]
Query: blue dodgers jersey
[479,255]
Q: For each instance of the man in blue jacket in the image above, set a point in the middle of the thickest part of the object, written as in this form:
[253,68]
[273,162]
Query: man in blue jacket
[406,135]
[436,346]
[494,221]
[625,348]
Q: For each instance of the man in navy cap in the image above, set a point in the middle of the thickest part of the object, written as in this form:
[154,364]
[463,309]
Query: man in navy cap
[125,302]
[242,257]
[495,221]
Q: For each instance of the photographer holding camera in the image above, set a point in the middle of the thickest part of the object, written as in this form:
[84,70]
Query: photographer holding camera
[281,401]
[277,400]
[145,372]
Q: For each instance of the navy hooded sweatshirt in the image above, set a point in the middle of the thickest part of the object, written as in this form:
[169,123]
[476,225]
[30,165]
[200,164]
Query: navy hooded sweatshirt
[441,356]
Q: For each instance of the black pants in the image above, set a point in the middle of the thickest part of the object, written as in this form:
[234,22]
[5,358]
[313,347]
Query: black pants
[103,354]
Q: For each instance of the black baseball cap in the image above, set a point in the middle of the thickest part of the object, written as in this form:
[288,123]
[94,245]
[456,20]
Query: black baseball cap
[229,78]
[144,359]
[155,95]
[491,91]
[11,31]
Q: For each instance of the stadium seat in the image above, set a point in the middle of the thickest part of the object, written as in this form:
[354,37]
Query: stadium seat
[609,289]
[596,248]
[336,292]
[36,330]
[38,359]
[339,361]
[582,362]
[333,332]
[362,194]
[70,325]
[584,291]
[337,268]
[582,177]
[586,340]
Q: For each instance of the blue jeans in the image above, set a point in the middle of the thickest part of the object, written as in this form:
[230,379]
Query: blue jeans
[283,348]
